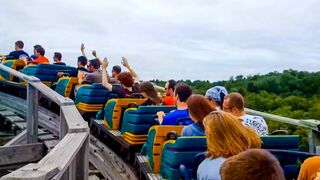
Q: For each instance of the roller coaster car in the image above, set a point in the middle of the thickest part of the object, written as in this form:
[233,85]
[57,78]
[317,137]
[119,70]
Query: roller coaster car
[14,64]
[165,151]
[290,162]
[164,158]
[124,127]
[90,98]
[47,73]
[65,86]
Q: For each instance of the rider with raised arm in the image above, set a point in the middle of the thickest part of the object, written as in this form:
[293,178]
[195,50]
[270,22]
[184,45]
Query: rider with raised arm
[129,81]
[116,70]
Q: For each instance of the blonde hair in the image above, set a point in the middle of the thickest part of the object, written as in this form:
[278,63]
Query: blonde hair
[226,136]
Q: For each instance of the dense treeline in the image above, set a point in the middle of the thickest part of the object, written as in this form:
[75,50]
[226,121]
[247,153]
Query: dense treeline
[291,93]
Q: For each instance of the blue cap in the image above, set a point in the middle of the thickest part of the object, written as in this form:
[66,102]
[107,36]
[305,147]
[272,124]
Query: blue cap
[217,93]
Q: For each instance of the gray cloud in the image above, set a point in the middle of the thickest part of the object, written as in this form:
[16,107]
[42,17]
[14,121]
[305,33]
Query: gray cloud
[181,39]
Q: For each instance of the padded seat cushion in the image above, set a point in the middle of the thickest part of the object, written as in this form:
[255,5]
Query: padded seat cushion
[139,120]
[180,151]
[285,142]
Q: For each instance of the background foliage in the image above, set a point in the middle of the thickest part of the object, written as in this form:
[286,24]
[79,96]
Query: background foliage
[291,93]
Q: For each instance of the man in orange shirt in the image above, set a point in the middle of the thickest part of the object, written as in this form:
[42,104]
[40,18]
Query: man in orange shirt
[39,53]
[169,89]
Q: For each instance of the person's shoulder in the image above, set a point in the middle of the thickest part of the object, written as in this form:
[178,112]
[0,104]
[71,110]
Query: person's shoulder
[23,52]
[214,166]
[12,53]
[252,117]
[43,59]
[187,130]
[168,100]
[214,162]
[82,69]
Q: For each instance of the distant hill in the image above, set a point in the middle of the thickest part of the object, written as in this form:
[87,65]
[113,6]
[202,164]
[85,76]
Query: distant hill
[291,93]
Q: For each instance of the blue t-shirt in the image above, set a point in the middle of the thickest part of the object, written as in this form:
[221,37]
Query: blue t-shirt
[194,129]
[210,169]
[172,117]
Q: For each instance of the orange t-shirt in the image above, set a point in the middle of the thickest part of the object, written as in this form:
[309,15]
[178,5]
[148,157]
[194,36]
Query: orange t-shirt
[309,168]
[40,60]
[169,101]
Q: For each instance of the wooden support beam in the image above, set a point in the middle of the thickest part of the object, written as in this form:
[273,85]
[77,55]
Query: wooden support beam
[19,139]
[21,154]
[32,114]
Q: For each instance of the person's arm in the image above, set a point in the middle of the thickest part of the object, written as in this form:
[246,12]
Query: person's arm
[105,81]
[83,51]
[60,74]
[126,64]
[94,53]
[160,115]
[81,76]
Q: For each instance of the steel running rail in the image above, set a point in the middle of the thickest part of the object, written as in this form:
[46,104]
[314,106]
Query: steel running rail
[69,159]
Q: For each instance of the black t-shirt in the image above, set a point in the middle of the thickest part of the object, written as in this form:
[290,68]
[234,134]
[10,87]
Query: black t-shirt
[74,72]
[18,54]
[60,63]
[123,92]
[148,102]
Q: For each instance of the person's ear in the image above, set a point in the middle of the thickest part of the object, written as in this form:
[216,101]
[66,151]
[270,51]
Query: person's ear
[235,110]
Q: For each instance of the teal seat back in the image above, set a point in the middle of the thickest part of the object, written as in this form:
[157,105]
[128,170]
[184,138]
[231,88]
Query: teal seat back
[149,147]
[91,94]
[139,120]
[5,74]
[108,111]
[290,161]
[61,86]
[180,151]
[46,72]
[285,142]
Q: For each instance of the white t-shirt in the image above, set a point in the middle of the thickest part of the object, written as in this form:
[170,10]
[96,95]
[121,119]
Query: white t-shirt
[255,122]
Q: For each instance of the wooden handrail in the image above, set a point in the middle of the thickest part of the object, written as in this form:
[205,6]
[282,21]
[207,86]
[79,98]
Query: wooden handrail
[69,158]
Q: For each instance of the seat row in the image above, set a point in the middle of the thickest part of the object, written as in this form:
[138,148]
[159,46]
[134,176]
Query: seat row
[168,155]
[47,73]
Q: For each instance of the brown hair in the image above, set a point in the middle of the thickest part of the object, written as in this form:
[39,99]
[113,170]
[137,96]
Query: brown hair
[226,136]
[198,108]
[126,79]
[183,91]
[254,164]
[235,100]
[150,91]
[19,44]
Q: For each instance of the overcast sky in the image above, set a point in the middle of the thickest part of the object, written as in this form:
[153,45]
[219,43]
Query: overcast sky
[180,39]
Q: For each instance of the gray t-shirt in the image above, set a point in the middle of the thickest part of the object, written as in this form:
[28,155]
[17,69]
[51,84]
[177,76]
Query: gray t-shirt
[209,169]
[93,77]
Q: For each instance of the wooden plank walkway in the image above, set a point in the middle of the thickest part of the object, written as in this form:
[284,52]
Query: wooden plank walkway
[18,123]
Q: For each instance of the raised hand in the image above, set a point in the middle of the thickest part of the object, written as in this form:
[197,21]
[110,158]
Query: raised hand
[60,74]
[105,63]
[125,62]
[82,47]
[94,53]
